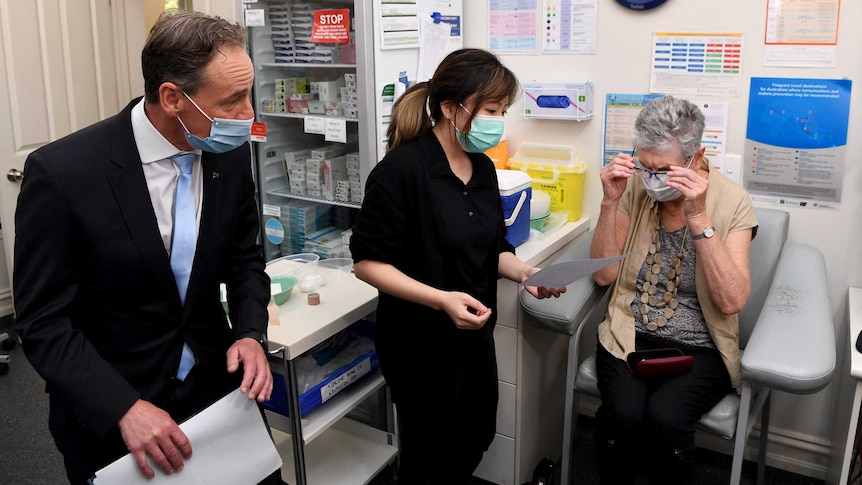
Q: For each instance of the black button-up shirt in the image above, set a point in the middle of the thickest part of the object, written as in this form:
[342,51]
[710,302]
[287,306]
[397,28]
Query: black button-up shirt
[418,216]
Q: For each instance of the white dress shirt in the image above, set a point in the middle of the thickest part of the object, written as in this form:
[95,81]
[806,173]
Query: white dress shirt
[162,173]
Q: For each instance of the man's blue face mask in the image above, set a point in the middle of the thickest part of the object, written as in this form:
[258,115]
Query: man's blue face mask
[225,134]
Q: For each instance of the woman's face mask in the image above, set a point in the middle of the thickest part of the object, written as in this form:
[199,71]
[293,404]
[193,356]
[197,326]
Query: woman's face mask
[225,134]
[655,184]
[660,190]
[485,133]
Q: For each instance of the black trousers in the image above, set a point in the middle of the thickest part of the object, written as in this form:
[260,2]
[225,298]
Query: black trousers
[447,407]
[84,453]
[652,421]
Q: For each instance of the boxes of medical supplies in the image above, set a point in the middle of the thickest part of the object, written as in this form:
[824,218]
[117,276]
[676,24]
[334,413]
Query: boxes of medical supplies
[555,170]
[515,192]
[327,369]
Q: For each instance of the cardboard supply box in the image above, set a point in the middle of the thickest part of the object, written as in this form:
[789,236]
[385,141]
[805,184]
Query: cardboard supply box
[330,90]
[334,169]
[329,151]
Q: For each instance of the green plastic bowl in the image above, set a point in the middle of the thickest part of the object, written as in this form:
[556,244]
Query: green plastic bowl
[284,285]
[287,283]
[539,223]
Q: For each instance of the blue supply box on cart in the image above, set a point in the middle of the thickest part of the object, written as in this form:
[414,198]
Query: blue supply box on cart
[515,192]
[335,382]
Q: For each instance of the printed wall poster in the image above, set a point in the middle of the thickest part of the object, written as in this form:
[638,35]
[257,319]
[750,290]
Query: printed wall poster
[796,141]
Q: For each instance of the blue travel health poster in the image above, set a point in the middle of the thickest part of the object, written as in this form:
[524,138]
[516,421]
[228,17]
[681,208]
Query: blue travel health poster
[799,113]
[796,141]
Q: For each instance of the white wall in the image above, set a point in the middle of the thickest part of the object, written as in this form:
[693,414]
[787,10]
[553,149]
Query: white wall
[621,65]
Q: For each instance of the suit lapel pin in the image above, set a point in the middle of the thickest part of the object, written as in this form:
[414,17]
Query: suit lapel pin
[215,175]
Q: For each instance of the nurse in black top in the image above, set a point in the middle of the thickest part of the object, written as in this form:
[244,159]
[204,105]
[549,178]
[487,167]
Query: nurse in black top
[430,238]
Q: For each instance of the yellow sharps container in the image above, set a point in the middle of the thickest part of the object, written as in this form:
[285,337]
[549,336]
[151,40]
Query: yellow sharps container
[556,170]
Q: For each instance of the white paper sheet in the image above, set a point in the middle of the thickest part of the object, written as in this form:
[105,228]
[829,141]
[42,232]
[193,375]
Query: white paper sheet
[563,274]
[230,444]
[433,47]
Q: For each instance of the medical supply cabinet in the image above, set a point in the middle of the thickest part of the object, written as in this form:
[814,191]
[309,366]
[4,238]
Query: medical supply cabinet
[316,101]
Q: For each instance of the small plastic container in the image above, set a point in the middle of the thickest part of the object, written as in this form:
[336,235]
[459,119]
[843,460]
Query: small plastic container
[539,222]
[540,204]
[310,277]
[301,257]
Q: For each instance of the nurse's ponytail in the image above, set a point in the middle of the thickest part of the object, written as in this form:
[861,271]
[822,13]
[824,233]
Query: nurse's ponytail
[409,118]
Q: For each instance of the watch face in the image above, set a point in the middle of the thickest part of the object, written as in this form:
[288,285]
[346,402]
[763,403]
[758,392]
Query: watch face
[708,232]
[640,4]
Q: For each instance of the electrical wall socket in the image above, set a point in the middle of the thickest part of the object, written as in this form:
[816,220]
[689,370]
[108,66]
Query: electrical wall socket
[732,167]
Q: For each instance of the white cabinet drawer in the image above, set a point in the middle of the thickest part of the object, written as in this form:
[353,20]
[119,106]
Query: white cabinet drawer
[507,303]
[506,345]
[498,464]
[506,410]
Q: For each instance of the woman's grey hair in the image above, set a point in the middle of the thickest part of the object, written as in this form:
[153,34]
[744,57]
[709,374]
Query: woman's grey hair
[667,124]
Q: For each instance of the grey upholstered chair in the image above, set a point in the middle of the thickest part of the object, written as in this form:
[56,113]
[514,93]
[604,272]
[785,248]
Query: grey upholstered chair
[786,334]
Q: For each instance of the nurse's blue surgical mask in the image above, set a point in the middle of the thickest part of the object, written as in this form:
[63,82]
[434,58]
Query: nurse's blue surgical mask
[485,133]
[225,134]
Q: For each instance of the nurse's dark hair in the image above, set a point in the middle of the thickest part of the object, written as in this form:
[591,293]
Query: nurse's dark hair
[461,74]
[180,46]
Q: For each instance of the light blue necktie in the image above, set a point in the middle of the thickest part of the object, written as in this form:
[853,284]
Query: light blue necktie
[185,236]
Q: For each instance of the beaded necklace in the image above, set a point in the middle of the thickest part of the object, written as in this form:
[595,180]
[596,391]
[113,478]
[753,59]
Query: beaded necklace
[651,296]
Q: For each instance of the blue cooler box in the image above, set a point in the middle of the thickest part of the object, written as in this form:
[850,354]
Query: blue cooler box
[515,193]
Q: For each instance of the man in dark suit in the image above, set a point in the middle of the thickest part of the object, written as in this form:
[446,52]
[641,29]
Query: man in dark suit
[121,319]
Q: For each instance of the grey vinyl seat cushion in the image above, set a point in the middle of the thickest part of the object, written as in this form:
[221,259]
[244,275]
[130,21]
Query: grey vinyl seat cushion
[720,420]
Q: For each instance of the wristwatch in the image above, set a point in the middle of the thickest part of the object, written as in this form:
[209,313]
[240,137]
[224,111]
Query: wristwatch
[706,234]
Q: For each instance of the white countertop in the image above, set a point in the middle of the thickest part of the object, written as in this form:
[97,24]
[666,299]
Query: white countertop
[345,299]
[536,250]
[855,303]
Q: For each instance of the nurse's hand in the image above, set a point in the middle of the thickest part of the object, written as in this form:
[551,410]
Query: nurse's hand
[540,292]
[465,311]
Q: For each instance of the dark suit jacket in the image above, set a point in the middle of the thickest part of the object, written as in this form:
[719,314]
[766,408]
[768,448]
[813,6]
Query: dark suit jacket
[96,302]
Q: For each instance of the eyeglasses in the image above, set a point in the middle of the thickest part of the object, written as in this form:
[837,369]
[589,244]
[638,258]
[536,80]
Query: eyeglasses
[661,175]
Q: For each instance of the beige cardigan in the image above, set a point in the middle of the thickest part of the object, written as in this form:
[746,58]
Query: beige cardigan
[730,210]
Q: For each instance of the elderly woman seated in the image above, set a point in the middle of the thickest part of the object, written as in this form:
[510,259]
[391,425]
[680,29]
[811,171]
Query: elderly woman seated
[679,297]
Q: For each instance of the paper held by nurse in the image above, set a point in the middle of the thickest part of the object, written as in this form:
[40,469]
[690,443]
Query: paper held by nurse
[565,273]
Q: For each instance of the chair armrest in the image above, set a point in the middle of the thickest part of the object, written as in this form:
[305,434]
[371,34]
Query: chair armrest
[565,314]
[792,346]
